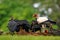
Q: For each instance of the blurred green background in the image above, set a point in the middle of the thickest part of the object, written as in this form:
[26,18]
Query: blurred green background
[23,9]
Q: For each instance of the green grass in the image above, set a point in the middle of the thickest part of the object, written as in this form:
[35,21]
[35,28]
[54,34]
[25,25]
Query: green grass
[28,37]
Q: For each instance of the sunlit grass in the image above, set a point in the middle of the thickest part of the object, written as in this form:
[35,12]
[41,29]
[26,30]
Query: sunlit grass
[28,37]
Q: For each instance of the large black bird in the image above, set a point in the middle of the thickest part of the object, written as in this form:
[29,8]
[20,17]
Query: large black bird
[15,25]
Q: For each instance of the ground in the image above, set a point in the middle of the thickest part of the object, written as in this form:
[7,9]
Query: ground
[28,37]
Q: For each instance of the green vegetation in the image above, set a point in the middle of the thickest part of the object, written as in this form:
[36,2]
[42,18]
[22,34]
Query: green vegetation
[23,9]
[26,37]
